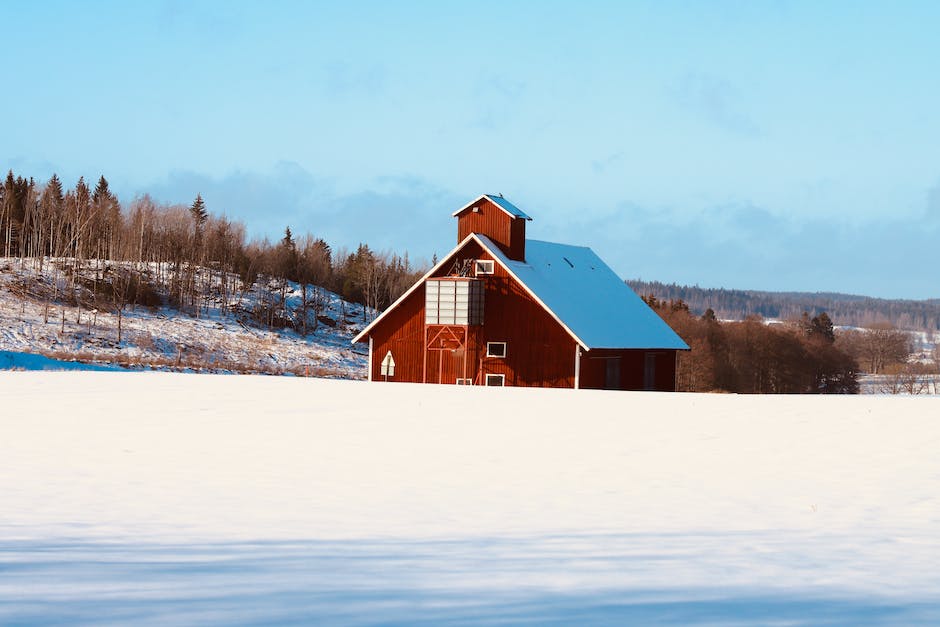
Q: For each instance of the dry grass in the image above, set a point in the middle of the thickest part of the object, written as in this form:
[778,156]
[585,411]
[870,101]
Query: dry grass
[191,363]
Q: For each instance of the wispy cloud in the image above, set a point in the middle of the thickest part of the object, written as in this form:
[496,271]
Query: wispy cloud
[600,166]
[734,244]
[496,101]
[714,100]
[933,204]
[347,79]
[747,246]
[393,213]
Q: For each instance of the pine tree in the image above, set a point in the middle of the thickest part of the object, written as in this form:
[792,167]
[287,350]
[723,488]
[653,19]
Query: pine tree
[200,216]
[198,211]
[822,327]
[102,193]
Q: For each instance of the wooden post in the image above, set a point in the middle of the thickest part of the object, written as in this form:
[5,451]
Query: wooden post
[424,357]
[466,347]
[577,366]
[675,376]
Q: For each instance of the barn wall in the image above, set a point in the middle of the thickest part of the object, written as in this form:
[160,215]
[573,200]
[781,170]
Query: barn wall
[632,369]
[539,352]
[402,333]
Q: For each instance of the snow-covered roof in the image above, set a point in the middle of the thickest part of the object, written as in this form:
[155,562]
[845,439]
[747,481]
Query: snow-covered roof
[580,291]
[500,202]
[588,298]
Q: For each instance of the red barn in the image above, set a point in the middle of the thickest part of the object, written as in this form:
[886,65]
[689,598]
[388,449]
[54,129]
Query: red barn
[502,310]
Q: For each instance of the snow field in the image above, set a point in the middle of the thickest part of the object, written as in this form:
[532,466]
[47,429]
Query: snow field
[166,495]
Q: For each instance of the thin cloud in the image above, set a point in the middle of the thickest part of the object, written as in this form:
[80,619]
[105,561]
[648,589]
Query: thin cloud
[933,204]
[394,213]
[716,101]
[746,246]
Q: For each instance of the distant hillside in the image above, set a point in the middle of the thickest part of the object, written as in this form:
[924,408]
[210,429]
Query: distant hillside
[844,309]
[48,323]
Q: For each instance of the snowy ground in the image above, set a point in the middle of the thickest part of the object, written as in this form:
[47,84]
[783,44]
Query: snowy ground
[156,498]
[166,338]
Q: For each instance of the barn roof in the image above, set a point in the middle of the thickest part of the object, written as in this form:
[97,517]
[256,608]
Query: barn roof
[500,202]
[580,291]
[588,298]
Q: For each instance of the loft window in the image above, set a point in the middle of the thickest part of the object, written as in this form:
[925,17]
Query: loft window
[453,301]
[496,349]
[464,381]
[496,380]
[484,266]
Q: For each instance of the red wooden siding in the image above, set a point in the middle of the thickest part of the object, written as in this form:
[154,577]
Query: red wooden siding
[632,370]
[506,232]
[402,333]
[539,352]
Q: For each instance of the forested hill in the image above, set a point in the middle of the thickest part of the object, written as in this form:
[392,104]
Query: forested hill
[844,309]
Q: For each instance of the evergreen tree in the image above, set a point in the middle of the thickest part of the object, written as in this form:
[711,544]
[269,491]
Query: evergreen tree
[53,190]
[102,193]
[822,327]
[199,212]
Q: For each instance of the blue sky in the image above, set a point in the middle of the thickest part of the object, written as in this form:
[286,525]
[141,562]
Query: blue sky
[765,145]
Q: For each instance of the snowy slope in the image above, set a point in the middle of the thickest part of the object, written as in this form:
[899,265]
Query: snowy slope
[163,498]
[164,338]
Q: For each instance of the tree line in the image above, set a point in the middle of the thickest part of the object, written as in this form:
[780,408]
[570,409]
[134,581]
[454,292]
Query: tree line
[751,357]
[844,309]
[184,256]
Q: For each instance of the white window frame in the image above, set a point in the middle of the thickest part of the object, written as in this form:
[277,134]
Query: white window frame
[487,263]
[464,381]
[505,350]
[501,377]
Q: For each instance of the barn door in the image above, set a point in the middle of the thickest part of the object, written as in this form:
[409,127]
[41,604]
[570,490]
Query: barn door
[649,371]
[612,376]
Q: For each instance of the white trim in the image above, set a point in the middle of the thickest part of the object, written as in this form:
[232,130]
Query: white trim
[370,358]
[487,198]
[497,255]
[502,378]
[420,282]
[505,350]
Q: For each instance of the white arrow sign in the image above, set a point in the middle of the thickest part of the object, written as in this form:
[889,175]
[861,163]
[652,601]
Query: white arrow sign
[388,365]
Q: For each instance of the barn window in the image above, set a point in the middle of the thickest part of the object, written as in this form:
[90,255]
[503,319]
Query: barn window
[496,349]
[497,380]
[464,381]
[453,301]
[484,266]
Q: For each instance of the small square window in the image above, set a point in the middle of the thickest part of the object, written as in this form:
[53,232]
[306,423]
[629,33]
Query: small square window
[484,266]
[496,349]
[496,380]
[464,381]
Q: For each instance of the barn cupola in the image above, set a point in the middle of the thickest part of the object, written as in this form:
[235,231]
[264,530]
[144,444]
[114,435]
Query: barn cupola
[496,218]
